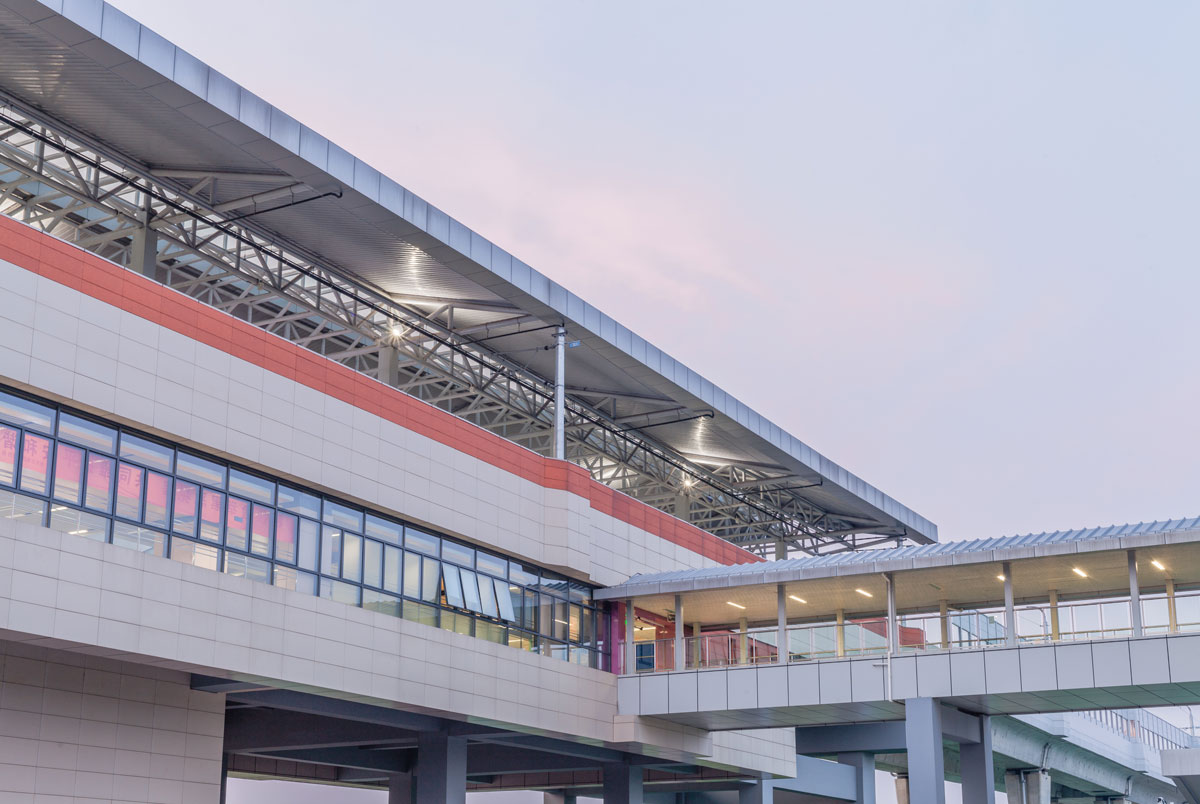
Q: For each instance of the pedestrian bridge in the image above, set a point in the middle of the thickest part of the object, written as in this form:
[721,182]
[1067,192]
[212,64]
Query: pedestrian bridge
[1071,620]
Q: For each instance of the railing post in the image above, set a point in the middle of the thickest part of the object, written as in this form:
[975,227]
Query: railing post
[781,648]
[840,633]
[1010,613]
[1135,596]
[1172,617]
[893,631]
[944,618]
[743,642]
[1055,632]
[630,651]
[679,643]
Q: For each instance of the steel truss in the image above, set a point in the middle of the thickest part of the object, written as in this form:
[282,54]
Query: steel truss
[162,224]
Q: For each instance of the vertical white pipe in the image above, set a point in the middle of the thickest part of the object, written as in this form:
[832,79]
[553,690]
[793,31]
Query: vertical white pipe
[560,393]
[1135,596]
[1010,614]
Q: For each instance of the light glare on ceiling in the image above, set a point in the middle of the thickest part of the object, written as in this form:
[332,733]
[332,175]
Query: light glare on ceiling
[1079,572]
[798,599]
[1157,564]
[864,593]
[735,605]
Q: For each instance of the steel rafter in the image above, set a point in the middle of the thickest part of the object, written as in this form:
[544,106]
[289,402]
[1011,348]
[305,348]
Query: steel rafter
[58,181]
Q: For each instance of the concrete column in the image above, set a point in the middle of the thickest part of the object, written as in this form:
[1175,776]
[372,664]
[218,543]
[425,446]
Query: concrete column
[781,637]
[756,793]
[944,618]
[441,769]
[697,645]
[400,789]
[1172,616]
[143,245]
[622,784]
[864,774]
[1010,613]
[558,798]
[902,789]
[1027,787]
[1135,595]
[683,505]
[923,741]
[743,642]
[630,652]
[1055,630]
[893,623]
[680,643]
[780,550]
[977,767]
[389,366]
[840,633]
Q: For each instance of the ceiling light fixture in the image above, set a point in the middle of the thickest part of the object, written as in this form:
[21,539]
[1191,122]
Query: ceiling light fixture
[735,605]
[864,593]
[1079,572]
[1157,564]
[1000,577]
[798,599]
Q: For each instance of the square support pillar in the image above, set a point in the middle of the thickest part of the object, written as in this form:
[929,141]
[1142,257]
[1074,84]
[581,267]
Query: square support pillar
[1010,612]
[944,621]
[630,649]
[839,632]
[756,793]
[864,774]
[400,789]
[743,641]
[1135,595]
[902,789]
[1055,630]
[622,784]
[1172,615]
[389,366]
[1027,787]
[923,741]
[978,768]
[441,769]
[893,622]
[781,638]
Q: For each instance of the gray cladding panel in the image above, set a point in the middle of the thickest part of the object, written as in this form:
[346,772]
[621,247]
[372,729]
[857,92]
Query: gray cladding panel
[1074,666]
[804,685]
[968,672]
[835,682]
[933,675]
[654,694]
[1148,661]
[682,692]
[1110,664]
[743,688]
[772,686]
[712,690]
[1038,671]
[1003,670]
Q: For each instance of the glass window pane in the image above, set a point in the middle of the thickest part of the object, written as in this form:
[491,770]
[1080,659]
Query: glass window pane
[200,469]
[492,632]
[18,506]
[88,434]
[580,593]
[505,599]
[331,551]
[453,586]
[129,491]
[339,591]
[378,601]
[384,530]
[147,453]
[237,523]
[289,578]
[430,581]
[247,485]
[308,545]
[351,557]
[526,576]
[470,591]
[487,595]
[459,623]
[464,556]
[29,415]
[490,564]
[186,551]
[412,575]
[158,493]
[421,542]
[561,620]
[545,615]
[420,613]
[576,623]
[529,610]
[212,512]
[261,525]
[285,538]
[343,516]
[8,454]
[35,464]
[187,496]
[79,523]
[135,537]
[299,502]
[391,569]
[373,563]
[68,473]
[520,640]
[99,482]
[246,567]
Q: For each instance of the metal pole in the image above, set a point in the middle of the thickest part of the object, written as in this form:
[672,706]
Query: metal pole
[1010,614]
[944,616]
[1172,616]
[1135,596]
[630,652]
[560,393]
[1055,632]
[679,633]
[893,630]
[781,651]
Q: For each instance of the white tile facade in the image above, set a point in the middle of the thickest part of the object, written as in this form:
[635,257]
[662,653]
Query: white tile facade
[78,729]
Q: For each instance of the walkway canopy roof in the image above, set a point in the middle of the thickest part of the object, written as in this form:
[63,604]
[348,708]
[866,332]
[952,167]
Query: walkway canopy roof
[94,81]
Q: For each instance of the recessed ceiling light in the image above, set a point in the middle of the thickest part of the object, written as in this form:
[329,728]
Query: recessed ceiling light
[798,599]
[864,593]
[1157,564]
[735,605]
[1079,572]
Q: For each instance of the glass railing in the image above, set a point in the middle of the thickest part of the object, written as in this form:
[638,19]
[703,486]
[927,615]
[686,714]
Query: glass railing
[956,630]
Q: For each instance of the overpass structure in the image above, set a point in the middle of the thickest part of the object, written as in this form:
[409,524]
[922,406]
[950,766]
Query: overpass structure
[277,500]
